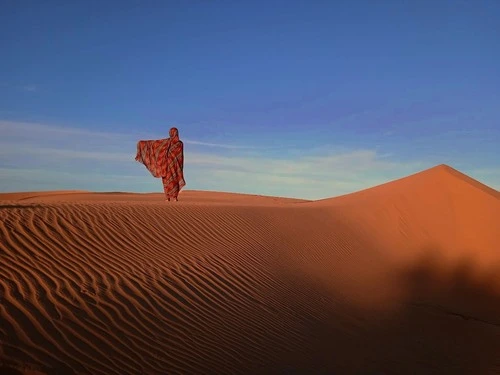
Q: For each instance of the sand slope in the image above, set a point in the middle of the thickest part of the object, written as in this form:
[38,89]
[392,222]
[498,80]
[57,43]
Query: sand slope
[401,278]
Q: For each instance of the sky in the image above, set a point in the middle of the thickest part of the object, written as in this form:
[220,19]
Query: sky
[308,99]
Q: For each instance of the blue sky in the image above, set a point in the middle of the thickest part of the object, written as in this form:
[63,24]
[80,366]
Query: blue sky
[291,98]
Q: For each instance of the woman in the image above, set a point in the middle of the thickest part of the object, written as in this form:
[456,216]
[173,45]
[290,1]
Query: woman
[164,158]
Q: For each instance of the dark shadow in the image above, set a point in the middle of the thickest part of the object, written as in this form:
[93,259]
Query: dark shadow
[448,322]
[460,290]
[13,369]
[4,370]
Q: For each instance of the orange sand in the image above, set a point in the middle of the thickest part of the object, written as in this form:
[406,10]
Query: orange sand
[402,278]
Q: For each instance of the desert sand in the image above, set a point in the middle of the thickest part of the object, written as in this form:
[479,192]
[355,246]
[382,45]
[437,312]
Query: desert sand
[401,278]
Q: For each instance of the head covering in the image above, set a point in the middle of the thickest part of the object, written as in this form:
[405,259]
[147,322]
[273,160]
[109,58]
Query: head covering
[174,133]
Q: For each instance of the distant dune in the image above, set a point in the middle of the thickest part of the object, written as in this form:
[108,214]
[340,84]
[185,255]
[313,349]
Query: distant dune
[401,278]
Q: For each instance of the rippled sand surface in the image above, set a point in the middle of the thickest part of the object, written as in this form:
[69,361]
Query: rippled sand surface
[397,279]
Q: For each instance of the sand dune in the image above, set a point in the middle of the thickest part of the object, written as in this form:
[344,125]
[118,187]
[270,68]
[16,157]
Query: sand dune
[397,279]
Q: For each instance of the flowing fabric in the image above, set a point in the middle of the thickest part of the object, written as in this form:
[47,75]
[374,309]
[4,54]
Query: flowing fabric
[164,158]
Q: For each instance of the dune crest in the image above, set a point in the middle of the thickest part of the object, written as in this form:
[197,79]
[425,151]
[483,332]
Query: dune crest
[436,207]
[379,281]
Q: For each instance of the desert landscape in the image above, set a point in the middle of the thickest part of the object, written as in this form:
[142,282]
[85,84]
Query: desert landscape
[401,278]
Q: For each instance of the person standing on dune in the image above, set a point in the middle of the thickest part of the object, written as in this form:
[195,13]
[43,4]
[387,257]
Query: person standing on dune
[164,158]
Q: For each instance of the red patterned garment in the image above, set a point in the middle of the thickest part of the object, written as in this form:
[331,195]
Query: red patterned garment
[164,158]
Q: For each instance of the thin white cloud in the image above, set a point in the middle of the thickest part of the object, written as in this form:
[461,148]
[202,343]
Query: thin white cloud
[64,154]
[219,145]
[26,87]
[51,132]
[311,177]
[347,162]
[29,88]
[31,130]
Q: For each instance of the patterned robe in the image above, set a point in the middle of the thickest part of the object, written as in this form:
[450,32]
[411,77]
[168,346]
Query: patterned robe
[164,158]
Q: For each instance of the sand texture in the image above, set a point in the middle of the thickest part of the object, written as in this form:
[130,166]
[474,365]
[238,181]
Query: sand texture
[402,278]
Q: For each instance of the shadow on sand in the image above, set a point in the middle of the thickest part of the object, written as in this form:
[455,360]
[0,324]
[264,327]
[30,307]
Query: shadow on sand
[447,322]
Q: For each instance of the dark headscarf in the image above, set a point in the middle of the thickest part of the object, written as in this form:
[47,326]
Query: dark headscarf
[174,134]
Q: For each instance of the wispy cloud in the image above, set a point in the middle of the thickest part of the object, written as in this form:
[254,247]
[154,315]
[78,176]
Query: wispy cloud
[52,132]
[63,154]
[219,145]
[29,88]
[41,156]
[24,88]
